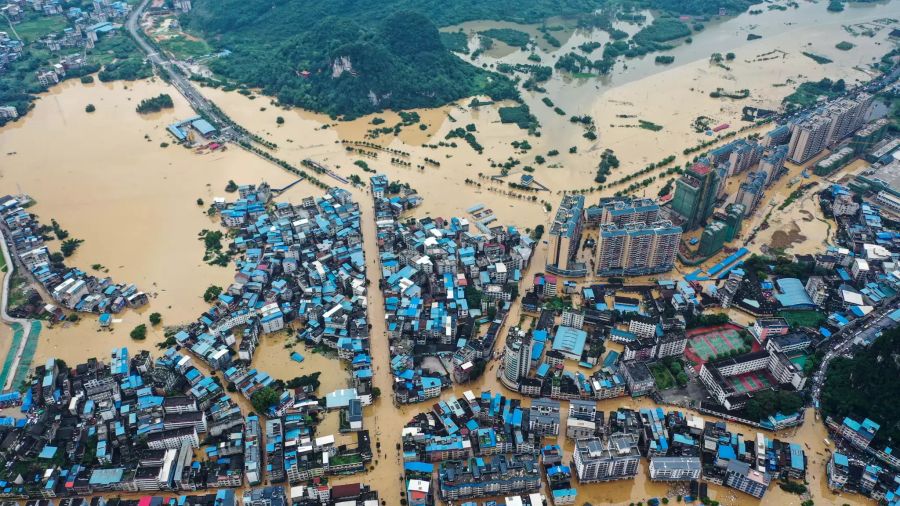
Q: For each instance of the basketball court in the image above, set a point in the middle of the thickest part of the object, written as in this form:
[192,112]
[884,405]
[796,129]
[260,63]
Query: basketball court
[750,382]
[713,344]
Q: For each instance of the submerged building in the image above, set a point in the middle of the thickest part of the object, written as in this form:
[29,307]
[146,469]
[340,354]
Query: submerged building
[565,236]
[695,194]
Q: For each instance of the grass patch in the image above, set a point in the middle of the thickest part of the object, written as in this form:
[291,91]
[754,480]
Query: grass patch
[807,318]
[662,376]
[183,47]
[3,267]
[340,460]
[36,26]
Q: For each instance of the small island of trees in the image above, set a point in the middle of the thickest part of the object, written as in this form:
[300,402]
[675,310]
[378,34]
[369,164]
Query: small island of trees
[155,104]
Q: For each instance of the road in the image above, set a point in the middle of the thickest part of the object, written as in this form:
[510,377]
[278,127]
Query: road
[197,101]
[26,324]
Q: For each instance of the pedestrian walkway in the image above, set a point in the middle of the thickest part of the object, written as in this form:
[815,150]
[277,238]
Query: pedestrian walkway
[26,356]
[18,333]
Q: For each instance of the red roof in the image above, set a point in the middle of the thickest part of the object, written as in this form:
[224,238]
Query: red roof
[700,168]
[348,490]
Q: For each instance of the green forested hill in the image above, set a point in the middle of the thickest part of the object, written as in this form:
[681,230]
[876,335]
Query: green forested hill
[395,55]
[282,17]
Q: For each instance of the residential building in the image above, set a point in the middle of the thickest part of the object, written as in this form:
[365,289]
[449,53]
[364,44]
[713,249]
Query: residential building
[638,377]
[695,194]
[516,357]
[637,249]
[573,318]
[484,477]
[809,136]
[859,434]
[565,237]
[817,289]
[763,328]
[740,476]
[596,460]
[847,116]
[543,417]
[675,468]
[642,326]
[838,470]
[772,162]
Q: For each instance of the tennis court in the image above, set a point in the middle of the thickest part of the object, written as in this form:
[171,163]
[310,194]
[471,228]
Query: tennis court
[716,343]
[750,382]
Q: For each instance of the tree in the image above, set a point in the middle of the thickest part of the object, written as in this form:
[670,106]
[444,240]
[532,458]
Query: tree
[867,385]
[376,393]
[212,293]
[90,108]
[279,120]
[729,56]
[473,297]
[766,403]
[139,333]
[155,318]
[263,399]
[155,104]
[231,187]
[309,380]
[69,246]
[199,202]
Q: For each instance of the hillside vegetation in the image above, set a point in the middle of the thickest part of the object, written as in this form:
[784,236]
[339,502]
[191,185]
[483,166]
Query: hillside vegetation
[349,58]
[868,385]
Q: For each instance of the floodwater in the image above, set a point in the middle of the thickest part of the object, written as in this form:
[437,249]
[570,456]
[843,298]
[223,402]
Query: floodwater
[130,200]
[275,359]
[134,202]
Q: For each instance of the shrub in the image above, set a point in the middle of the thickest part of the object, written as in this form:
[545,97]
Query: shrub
[139,333]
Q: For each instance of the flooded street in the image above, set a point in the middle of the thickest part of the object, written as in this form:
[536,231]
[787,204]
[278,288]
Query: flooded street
[107,180]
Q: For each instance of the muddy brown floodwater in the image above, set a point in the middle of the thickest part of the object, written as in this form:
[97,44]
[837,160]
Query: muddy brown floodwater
[106,179]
